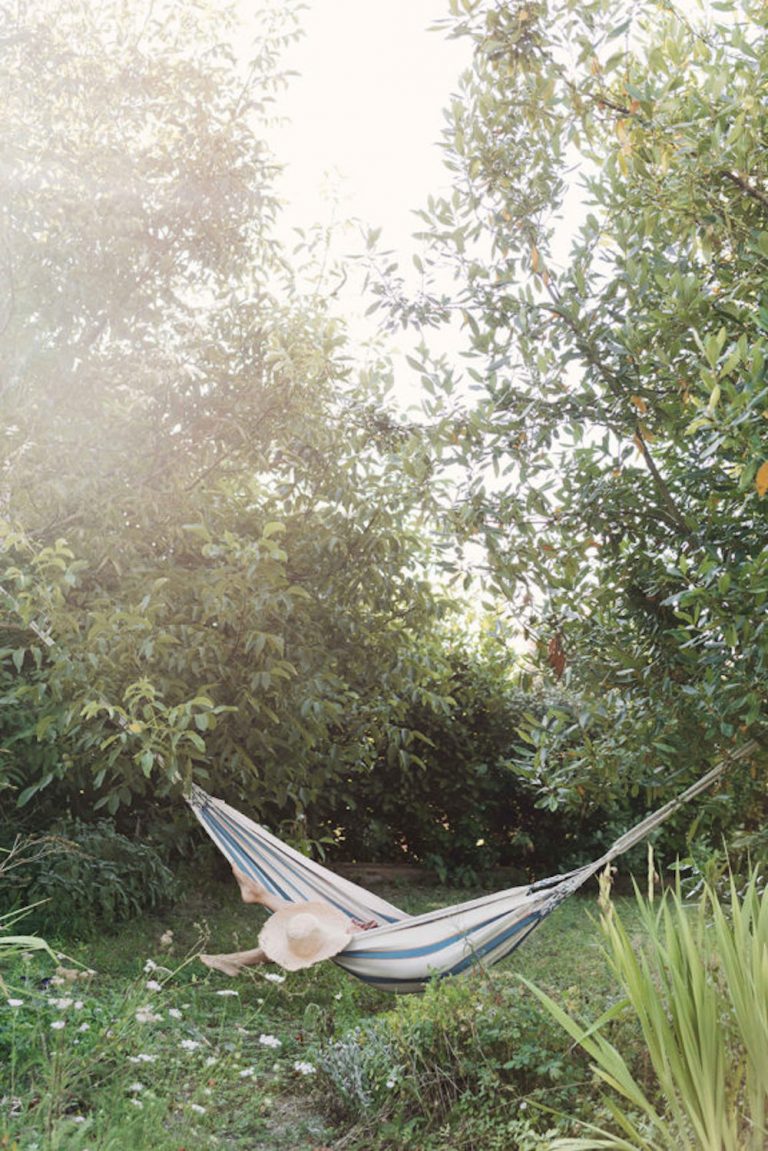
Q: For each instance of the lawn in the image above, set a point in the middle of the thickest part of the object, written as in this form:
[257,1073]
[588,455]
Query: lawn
[153,1051]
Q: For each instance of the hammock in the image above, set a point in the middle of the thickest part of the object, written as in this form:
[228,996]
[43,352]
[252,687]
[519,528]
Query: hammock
[405,952]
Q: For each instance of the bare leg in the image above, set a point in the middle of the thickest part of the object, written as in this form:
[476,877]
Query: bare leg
[253,892]
[234,963]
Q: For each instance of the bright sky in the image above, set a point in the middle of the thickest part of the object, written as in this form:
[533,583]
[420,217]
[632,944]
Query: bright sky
[361,143]
[366,113]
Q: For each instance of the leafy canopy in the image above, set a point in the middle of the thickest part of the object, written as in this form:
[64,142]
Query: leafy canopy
[607,239]
[212,534]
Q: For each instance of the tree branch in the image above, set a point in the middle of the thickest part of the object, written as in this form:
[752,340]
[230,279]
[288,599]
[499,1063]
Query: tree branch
[592,357]
[744,185]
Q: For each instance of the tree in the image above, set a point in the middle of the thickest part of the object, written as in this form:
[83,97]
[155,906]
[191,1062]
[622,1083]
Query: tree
[454,797]
[212,534]
[608,238]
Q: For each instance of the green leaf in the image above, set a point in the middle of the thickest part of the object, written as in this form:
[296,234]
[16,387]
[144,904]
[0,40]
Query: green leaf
[27,794]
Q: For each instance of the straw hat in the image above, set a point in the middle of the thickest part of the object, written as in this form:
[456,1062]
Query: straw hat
[304,933]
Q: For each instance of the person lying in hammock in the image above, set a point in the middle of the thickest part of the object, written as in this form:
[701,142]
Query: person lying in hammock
[296,935]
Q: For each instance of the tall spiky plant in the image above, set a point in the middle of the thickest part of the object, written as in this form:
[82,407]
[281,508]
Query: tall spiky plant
[698,988]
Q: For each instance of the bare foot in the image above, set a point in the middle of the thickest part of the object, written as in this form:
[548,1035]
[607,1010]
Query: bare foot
[250,890]
[223,963]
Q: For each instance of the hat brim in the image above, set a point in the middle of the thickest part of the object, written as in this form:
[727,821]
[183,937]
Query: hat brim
[275,943]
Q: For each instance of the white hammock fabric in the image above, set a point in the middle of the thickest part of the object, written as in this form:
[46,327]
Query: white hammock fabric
[406,952]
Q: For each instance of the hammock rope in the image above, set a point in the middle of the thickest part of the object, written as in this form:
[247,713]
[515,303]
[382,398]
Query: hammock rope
[405,952]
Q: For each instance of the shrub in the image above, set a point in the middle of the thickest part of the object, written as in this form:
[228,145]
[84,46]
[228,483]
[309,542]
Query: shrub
[472,1055]
[92,875]
[456,797]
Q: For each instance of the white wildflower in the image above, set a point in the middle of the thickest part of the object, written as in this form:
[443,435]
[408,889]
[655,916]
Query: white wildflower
[174,1013]
[62,1004]
[153,985]
[269,1041]
[136,1088]
[142,1057]
[247,1072]
[166,940]
[79,1005]
[189,1044]
[136,1102]
[211,1061]
[150,966]
[15,1002]
[197,1108]
[391,1083]
[228,991]
[58,1024]
[304,1068]
[273,977]
[84,1027]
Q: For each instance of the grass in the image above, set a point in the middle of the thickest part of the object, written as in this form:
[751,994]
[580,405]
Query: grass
[156,1052]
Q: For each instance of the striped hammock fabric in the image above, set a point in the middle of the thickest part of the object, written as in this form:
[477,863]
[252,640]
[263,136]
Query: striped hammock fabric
[404,952]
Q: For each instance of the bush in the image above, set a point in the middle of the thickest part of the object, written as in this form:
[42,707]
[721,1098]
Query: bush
[475,1055]
[456,798]
[90,875]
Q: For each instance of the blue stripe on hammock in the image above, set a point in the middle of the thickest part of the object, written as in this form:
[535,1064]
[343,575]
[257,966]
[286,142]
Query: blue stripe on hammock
[428,948]
[529,923]
[247,863]
[258,846]
[286,869]
[290,892]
